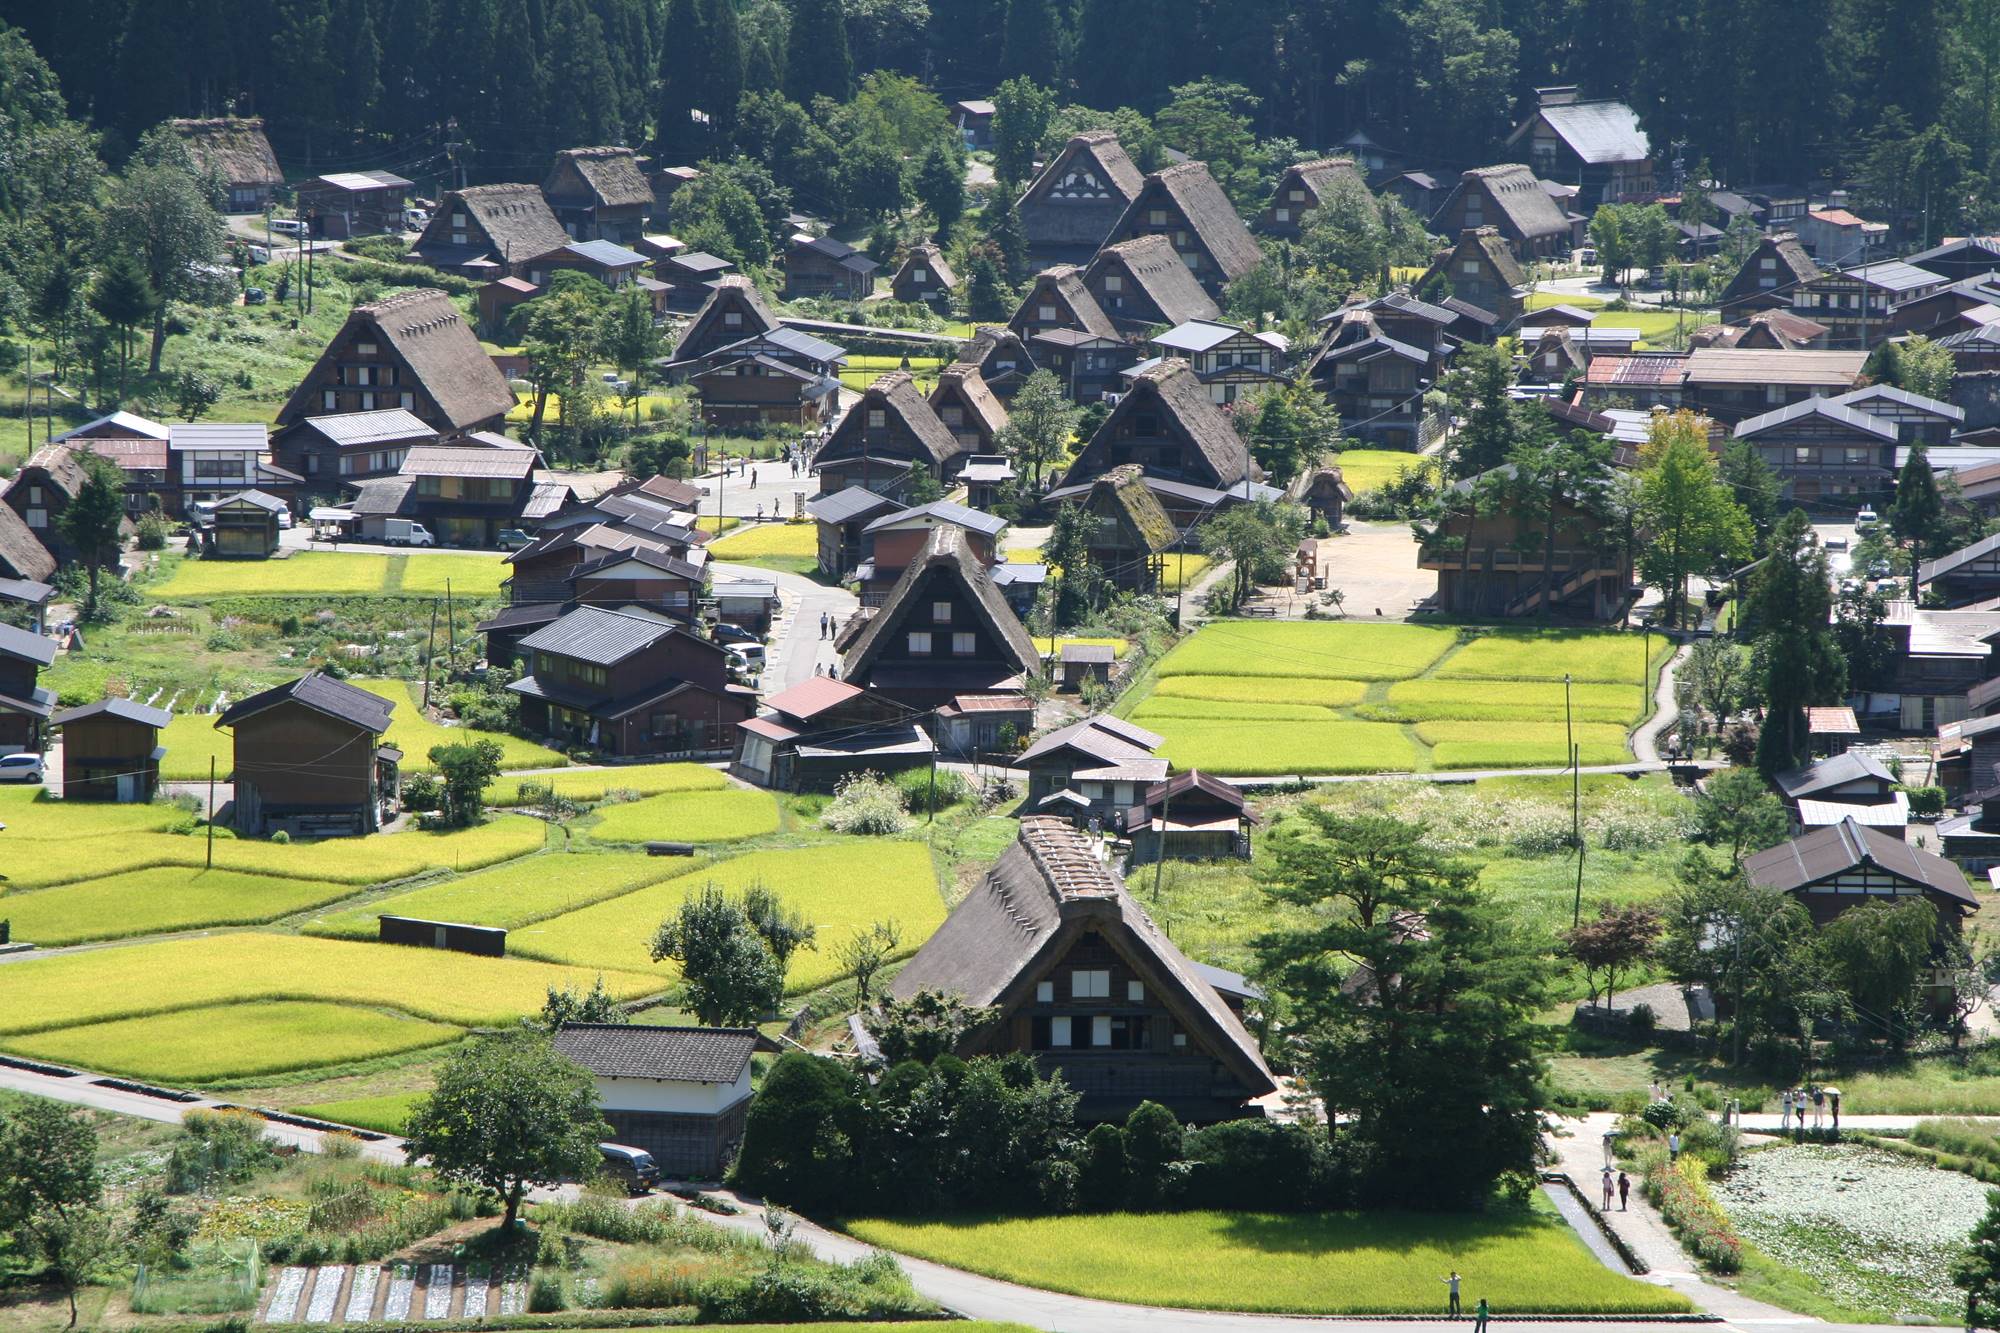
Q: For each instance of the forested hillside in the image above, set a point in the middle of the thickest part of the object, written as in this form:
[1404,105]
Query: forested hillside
[1767,91]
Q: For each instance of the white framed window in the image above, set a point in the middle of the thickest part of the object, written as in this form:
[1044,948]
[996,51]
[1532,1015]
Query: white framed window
[1114,282]
[458,238]
[35,495]
[364,349]
[1045,312]
[963,645]
[920,643]
[1059,1031]
[1469,266]
[941,612]
[1045,992]
[1767,263]
[1282,214]
[1135,992]
[328,400]
[409,400]
[38,518]
[1298,196]
[1180,1040]
[877,417]
[1100,1030]
[1156,217]
[920,276]
[732,319]
[1090,984]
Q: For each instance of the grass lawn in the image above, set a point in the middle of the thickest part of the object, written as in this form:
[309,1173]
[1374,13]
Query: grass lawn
[1366,469]
[700,816]
[592,784]
[146,902]
[1339,1263]
[384,1114]
[230,1041]
[509,895]
[375,859]
[1262,698]
[244,971]
[843,888]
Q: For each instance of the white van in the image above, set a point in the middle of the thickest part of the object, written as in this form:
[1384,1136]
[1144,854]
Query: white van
[288,226]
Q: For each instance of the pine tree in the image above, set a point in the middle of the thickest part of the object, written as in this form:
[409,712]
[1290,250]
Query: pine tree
[582,102]
[1977,1269]
[360,72]
[940,184]
[817,63]
[986,296]
[1916,519]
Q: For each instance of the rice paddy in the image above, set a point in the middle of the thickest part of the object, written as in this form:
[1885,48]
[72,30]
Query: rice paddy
[767,539]
[594,784]
[843,888]
[233,1041]
[246,970]
[705,816]
[1369,469]
[1313,697]
[384,1114]
[166,898]
[333,574]
[510,895]
[1337,1263]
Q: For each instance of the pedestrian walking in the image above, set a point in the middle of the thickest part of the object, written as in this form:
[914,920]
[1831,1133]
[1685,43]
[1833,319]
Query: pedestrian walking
[1607,1189]
[1610,1142]
[1452,1282]
[1819,1108]
[1479,1316]
[1624,1191]
[1784,1110]
[833,670]
[1674,1146]
[1655,1090]
[1833,1102]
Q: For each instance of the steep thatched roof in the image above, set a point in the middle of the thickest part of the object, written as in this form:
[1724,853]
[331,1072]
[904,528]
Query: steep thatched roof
[1524,205]
[894,394]
[517,220]
[731,292]
[610,176]
[930,257]
[232,147]
[1123,490]
[21,555]
[1061,285]
[1182,409]
[425,331]
[1079,194]
[1169,293]
[963,386]
[944,550]
[1189,189]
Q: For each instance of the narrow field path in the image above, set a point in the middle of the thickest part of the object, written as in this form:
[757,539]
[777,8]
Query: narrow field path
[1666,709]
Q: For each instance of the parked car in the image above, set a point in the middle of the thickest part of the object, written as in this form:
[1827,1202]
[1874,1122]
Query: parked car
[751,655]
[260,254]
[255,296]
[632,1167]
[288,226]
[1835,543]
[1867,518]
[725,633]
[406,532]
[22,767]
[284,520]
[512,539]
[415,219]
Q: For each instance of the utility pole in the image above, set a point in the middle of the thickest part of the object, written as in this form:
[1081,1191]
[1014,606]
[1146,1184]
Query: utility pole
[450,631]
[430,651]
[1576,913]
[1160,848]
[210,864]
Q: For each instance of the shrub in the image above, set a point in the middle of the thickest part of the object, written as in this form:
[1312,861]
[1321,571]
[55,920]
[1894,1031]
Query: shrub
[1680,1191]
[421,792]
[217,1148]
[339,1145]
[545,1296]
[152,532]
[1666,1116]
[866,803]
[1926,802]
[919,796]
[282,838]
[1642,1020]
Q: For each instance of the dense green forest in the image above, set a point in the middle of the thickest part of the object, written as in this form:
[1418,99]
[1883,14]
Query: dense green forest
[1771,90]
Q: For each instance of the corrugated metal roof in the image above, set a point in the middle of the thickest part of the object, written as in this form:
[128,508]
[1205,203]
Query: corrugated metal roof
[1761,365]
[123,709]
[1817,407]
[454,460]
[608,253]
[593,634]
[389,423]
[1599,132]
[218,435]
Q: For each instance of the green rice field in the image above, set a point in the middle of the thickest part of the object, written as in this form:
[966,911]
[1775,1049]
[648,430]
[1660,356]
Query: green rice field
[593,784]
[701,816]
[1253,698]
[843,888]
[510,895]
[165,898]
[232,1041]
[384,1114]
[1331,1264]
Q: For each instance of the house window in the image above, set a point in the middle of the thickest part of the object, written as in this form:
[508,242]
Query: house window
[38,518]
[364,349]
[1045,992]
[963,645]
[1045,312]
[35,495]
[1282,215]
[1856,457]
[877,417]
[920,643]
[1180,1038]
[732,319]
[953,416]
[1059,1031]
[408,400]
[1767,263]
[458,238]
[1100,1030]
[328,400]
[1156,217]
[1135,992]
[919,276]
[1090,984]
[941,612]
[1113,283]
[1469,267]
[1802,455]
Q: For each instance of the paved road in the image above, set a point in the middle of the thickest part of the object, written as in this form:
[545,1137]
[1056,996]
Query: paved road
[795,648]
[1666,708]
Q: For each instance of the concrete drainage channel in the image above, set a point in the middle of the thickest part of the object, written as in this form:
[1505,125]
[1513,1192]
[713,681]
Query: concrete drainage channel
[389,1293]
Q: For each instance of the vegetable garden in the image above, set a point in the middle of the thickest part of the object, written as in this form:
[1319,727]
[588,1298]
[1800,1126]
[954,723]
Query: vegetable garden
[1254,698]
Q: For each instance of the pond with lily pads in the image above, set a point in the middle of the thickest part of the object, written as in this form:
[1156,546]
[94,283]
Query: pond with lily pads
[1874,1231]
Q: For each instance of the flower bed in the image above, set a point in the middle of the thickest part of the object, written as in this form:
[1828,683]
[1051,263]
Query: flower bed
[1874,1231]
[1680,1191]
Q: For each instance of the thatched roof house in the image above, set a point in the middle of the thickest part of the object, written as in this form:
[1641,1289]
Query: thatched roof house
[235,150]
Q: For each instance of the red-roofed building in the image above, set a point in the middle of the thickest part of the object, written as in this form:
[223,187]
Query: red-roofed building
[817,732]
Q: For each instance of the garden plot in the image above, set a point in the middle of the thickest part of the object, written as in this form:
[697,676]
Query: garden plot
[702,816]
[1523,1261]
[238,969]
[1875,1233]
[510,895]
[376,859]
[843,888]
[196,1046]
[1315,697]
[165,898]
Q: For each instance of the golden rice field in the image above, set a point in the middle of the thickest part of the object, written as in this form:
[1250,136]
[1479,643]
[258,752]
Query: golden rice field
[31,812]
[701,816]
[843,888]
[1318,697]
[767,539]
[165,898]
[509,895]
[333,574]
[1524,1262]
[375,859]
[234,1041]
[1368,469]
[134,981]
[593,784]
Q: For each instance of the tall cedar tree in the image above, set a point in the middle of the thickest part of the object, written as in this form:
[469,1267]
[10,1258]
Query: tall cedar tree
[817,63]
[160,213]
[507,1114]
[1791,599]
[123,297]
[1415,1001]
[1031,43]
[1692,522]
[940,185]
[89,522]
[1558,478]
[1478,386]
[1917,518]
[685,38]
